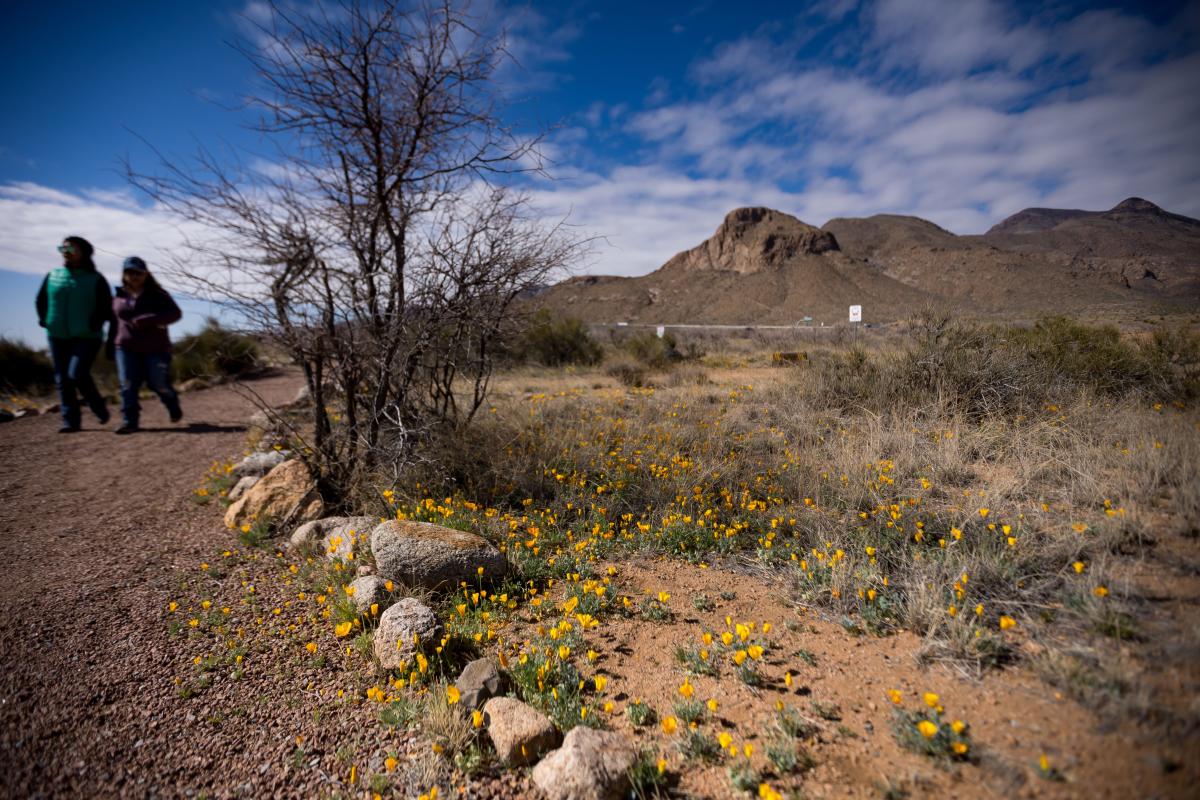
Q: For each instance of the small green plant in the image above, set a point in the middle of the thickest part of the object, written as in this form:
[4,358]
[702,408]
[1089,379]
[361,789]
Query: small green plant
[214,352]
[744,777]
[694,743]
[652,610]
[697,661]
[793,724]
[646,779]
[926,731]
[807,657]
[703,602]
[254,534]
[640,714]
[787,755]
[401,712]
[727,596]
[690,711]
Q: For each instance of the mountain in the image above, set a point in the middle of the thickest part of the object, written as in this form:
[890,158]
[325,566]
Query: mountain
[760,265]
[765,266]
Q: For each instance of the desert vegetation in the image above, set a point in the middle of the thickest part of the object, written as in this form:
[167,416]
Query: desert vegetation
[688,559]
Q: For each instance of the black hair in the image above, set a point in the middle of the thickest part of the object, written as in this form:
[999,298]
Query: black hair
[84,247]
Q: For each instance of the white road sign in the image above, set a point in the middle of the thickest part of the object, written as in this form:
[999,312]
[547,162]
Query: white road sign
[856,313]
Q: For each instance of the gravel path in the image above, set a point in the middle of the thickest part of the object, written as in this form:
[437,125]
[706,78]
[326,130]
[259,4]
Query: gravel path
[93,531]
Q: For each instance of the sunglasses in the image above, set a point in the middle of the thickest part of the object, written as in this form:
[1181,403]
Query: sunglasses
[66,249]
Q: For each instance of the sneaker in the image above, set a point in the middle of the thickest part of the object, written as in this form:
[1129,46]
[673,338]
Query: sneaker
[177,415]
[69,429]
[103,416]
[126,428]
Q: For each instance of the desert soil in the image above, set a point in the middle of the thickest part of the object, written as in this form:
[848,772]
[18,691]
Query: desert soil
[94,529]
[99,534]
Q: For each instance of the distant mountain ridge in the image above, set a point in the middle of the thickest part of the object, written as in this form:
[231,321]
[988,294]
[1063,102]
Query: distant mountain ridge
[766,266]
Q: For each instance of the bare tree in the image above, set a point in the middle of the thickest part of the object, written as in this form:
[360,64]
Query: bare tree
[379,249]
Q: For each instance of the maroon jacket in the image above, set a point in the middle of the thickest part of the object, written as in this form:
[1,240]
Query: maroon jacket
[142,321]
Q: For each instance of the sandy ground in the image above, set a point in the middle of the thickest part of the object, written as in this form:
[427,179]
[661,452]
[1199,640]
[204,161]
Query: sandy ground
[93,531]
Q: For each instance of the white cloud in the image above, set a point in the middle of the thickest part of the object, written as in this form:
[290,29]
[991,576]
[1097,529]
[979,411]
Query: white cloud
[35,219]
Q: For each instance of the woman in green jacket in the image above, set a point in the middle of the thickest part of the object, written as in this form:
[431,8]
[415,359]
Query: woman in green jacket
[73,305]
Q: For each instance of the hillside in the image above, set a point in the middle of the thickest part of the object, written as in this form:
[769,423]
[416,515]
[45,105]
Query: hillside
[765,266]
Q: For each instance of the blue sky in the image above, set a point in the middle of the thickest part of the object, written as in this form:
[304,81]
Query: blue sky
[665,115]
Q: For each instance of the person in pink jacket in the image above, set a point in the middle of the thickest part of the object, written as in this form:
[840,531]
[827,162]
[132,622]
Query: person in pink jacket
[143,310]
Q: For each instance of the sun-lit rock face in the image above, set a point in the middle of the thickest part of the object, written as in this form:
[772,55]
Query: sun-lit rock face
[754,240]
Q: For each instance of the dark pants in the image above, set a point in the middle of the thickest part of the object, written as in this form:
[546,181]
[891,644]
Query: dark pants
[134,369]
[73,374]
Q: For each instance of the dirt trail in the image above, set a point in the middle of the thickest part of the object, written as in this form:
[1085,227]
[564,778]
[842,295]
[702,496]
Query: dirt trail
[93,528]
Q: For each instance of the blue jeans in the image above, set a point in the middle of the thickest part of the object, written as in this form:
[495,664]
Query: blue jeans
[73,373]
[134,369]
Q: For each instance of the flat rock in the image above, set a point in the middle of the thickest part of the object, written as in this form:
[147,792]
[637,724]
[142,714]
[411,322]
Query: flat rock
[286,495]
[398,625]
[590,765]
[479,681]
[370,590]
[428,555]
[519,731]
[336,536]
[259,463]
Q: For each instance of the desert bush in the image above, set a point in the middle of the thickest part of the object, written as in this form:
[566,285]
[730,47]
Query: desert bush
[974,370]
[652,351]
[214,352]
[24,370]
[628,372]
[557,341]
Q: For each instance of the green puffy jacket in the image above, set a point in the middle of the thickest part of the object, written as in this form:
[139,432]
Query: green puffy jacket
[74,303]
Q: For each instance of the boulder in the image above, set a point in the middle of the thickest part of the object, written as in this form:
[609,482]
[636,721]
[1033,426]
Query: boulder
[519,732]
[398,625]
[286,495]
[244,484]
[259,463]
[479,681]
[590,765]
[428,555]
[336,536]
[369,590]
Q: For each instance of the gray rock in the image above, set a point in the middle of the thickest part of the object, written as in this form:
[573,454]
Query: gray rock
[369,590]
[244,484]
[394,639]
[259,463]
[519,732]
[336,536]
[480,680]
[423,554]
[591,765]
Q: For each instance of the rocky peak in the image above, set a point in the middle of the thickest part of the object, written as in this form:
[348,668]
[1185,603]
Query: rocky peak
[754,240]
[1136,205]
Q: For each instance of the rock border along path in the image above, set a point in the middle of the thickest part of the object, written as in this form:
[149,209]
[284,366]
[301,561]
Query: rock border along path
[93,530]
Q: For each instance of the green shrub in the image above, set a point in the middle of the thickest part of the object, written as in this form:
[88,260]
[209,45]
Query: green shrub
[24,370]
[652,351]
[558,341]
[214,352]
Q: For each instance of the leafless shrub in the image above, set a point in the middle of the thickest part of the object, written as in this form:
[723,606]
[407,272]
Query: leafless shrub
[381,251]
